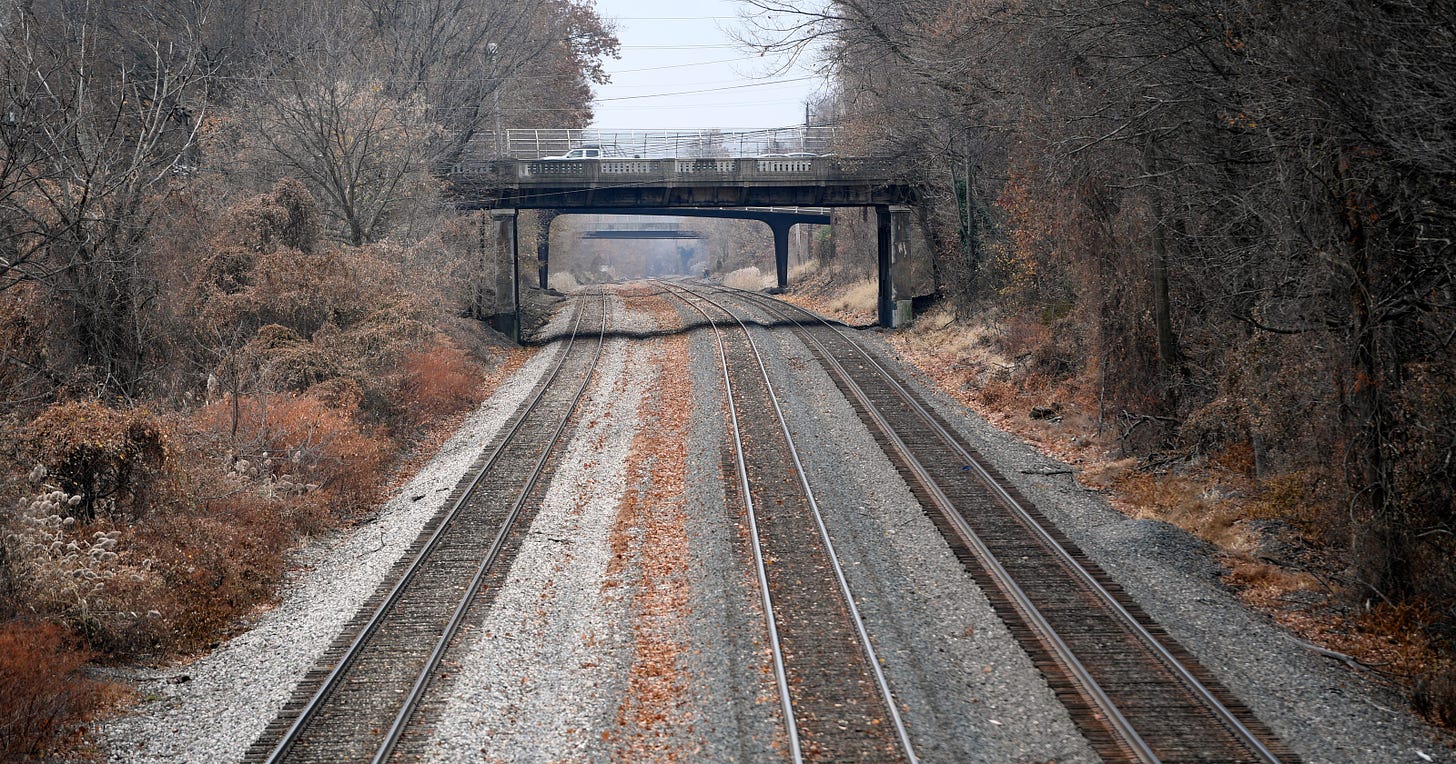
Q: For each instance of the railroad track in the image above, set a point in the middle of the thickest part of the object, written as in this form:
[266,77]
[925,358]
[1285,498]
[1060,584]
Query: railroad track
[836,703]
[1133,692]
[357,704]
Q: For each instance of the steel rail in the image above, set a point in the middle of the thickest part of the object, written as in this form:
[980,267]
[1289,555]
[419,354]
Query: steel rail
[786,702]
[341,668]
[1192,682]
[442,645]
[856,618]
[1091,689]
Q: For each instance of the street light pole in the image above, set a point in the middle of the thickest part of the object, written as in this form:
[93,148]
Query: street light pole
[804,144]
[492,49]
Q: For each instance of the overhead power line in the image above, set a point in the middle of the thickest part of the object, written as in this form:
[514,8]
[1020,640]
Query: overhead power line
[703,46]
[705,90]
[674,18]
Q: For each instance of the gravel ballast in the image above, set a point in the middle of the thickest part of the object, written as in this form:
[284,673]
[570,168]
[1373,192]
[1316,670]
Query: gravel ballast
[730,664]
[968,691]
[551,669]
[550,629]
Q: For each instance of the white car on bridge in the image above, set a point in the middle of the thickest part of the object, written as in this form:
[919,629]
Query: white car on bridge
[591,152]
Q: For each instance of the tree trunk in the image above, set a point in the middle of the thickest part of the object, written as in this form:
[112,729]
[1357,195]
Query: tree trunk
[1169,353]
[1387,539]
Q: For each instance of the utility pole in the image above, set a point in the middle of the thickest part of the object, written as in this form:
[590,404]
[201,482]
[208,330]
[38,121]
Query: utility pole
[804,144]
[498,153]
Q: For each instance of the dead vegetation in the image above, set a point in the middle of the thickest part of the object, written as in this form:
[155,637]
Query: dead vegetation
[1277,535]
[153,531]
[232,300]
[1222,234]
[815,288]
[44,691]
[286,376]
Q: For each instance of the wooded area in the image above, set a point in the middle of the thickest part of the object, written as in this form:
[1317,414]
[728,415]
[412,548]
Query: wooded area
[230,295]
[1225,226]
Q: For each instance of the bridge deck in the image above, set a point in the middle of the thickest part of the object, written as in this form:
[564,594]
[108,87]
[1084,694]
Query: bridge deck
[627,183]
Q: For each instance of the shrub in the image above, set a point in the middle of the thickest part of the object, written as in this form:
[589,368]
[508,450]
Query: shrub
[214,564]
[379,340]
[194,566]
[55,567]
[298,444]
[437,382]
[42,690]
[228,270]
[297,368]
[107,457]
[339,393]
[1024,336]
[1434,696]
[305,291]
[22,334]
[299,225]
[273,337]
[287,217]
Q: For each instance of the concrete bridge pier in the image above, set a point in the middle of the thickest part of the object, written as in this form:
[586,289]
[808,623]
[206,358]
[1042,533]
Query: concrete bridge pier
[543,245]
[781,249]
[893,223]
[498,250]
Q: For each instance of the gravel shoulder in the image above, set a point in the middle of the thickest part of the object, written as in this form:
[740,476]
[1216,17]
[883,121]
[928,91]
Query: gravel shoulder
[211,709]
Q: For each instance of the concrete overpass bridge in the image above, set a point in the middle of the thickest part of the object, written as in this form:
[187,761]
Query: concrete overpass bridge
[704,187]
[674,182]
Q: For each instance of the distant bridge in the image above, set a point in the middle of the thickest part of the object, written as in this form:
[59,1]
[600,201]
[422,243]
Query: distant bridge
[641,234]
[780,221]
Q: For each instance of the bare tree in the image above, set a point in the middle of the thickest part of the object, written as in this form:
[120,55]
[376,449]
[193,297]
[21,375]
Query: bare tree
[375,95]
[1241,206]
[98,123]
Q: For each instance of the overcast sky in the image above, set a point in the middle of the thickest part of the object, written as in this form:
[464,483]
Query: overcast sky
[678,47]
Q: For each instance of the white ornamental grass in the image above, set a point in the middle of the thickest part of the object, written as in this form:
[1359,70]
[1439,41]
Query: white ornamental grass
[57,573]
